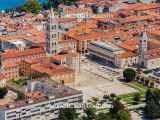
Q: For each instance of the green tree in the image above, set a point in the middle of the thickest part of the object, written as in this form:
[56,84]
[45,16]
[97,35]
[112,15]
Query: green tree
[123,115]
[106,97]
[152,84]
[118,111]
[31,6]
[104,116]
[129,74]
[3,92]
[113,95]
[94,100]
[90,113]
[136,97]
[116,106]
[55,3]
[146,82]
[152,108]
[68,114]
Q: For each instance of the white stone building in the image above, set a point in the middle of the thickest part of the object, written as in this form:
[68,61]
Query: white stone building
[105,50]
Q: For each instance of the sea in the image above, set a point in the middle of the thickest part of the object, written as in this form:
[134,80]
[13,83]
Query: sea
[9,4]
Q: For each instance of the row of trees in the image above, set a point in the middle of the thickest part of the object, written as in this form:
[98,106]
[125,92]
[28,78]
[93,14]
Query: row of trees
[116,112]
[35,7]
[130,74]
[152,98]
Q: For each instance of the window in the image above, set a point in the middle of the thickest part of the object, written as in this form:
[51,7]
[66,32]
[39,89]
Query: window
[47,36]
[54,43]
[48,27]
[53,27]
[53,35]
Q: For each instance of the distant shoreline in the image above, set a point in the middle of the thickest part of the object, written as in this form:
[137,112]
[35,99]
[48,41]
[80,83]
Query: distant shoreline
[7,5]
[15,7]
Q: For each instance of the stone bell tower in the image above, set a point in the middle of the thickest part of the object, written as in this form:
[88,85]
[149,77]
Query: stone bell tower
[52,33]
[143,47]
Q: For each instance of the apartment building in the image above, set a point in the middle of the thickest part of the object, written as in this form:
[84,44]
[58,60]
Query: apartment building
[41,104]
[10,60]
[10,70]
[11,55]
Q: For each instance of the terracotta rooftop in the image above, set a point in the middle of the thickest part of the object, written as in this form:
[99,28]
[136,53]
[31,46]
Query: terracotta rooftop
[72,10]
[126,55]
[52,69]
[153,53]
[141,6]
[136,18]
[15,53]
[130,45]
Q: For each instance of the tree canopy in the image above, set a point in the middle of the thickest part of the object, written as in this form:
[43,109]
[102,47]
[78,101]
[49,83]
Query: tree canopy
[104,116]
[129,74]
[123,115]
[117,106]
[68,114]
[118,111]
[90,113]
[152,108]
[31,6]
[3,92]
[55,3]
[136,97]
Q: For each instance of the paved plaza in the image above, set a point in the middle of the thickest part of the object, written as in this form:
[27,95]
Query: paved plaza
[95,82]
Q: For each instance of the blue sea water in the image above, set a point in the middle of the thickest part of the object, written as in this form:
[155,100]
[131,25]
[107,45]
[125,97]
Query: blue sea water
[7,4]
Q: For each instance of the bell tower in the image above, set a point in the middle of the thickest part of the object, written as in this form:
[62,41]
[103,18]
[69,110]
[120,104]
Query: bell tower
[143,47]
[52,33]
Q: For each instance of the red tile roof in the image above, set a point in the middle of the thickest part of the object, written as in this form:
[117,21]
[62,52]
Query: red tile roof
[52,69]
[153,53]
[126,55]
[130,45]
[15,53]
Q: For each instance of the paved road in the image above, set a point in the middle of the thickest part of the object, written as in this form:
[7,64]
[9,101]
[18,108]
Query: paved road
[133,107]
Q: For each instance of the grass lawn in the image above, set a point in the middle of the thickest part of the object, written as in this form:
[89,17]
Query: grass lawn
[128,98]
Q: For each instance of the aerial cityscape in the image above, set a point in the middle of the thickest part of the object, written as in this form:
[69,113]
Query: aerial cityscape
[79,59]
